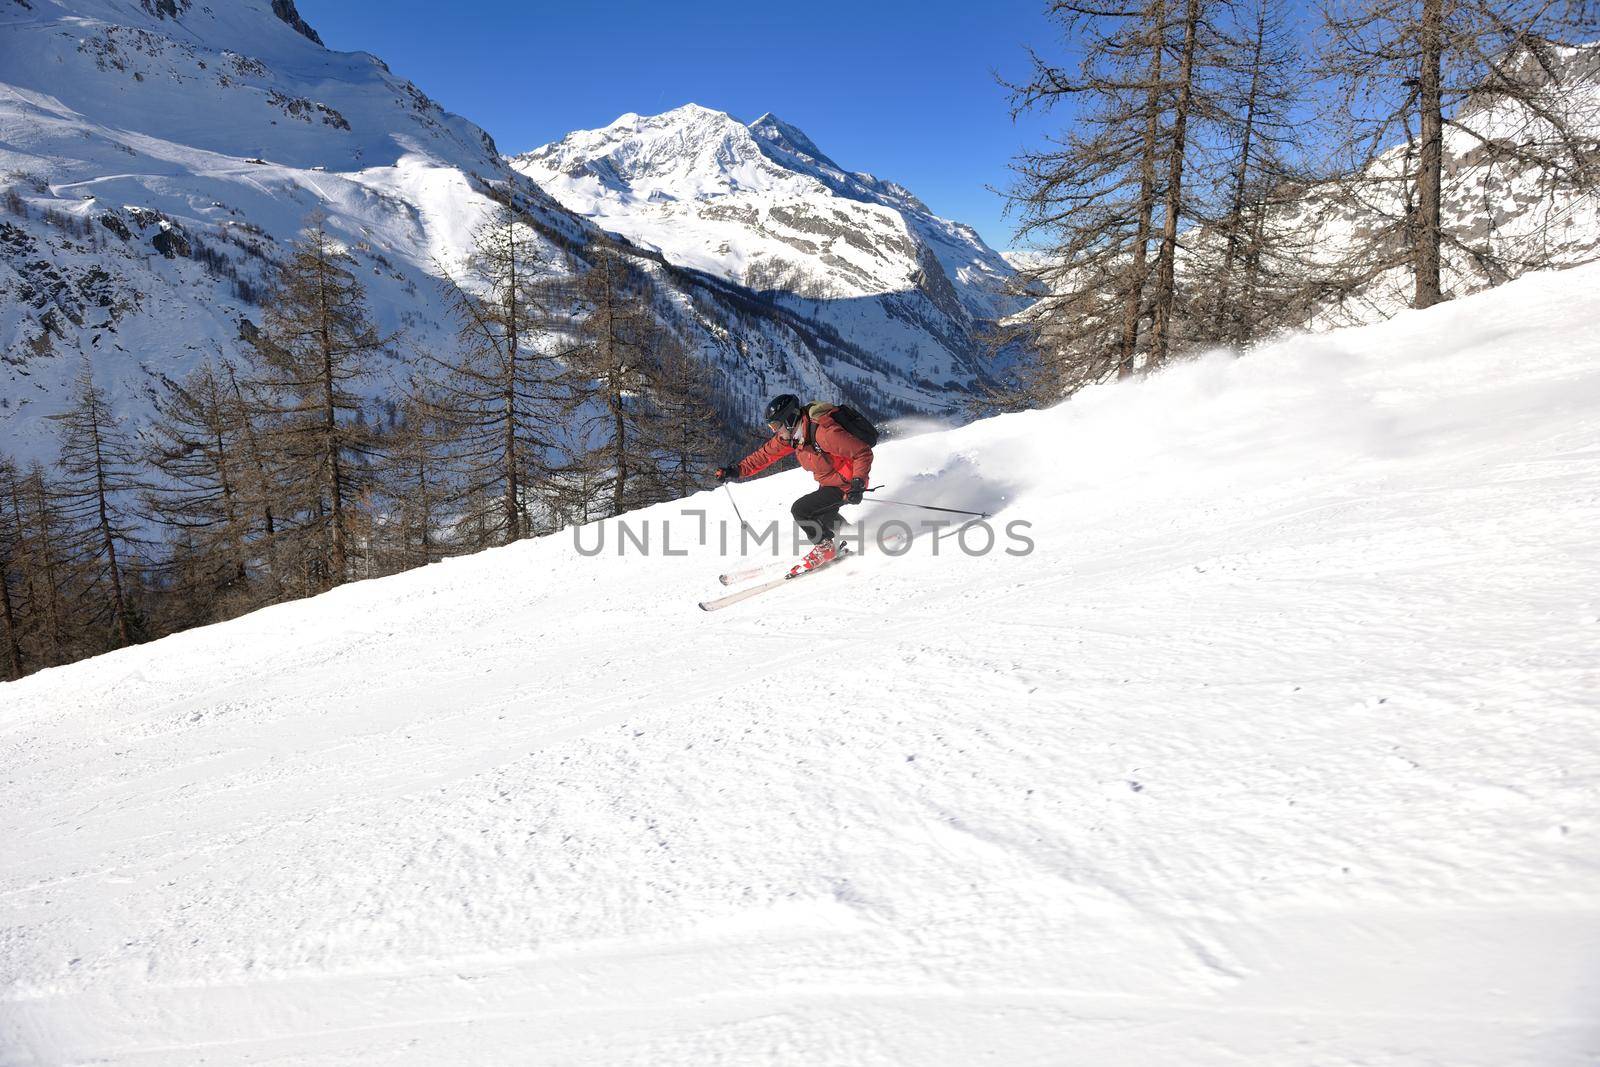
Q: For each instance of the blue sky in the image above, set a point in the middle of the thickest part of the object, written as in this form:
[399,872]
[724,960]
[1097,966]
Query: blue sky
[903,90]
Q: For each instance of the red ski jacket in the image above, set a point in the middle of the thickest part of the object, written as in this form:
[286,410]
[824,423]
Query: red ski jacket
[823,447]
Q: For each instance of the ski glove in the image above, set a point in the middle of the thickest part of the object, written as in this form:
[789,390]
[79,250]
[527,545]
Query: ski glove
[852,495]
[727,472]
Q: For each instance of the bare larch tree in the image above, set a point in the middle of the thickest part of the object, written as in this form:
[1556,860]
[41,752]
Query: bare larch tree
[316,342]
[497,390]
[1407,71]
[99,481]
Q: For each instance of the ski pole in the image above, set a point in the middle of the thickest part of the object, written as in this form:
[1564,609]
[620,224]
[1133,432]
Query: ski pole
[924,507]
[735,504]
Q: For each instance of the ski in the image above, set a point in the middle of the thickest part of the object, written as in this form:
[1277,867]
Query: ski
[745,594]
[756,570]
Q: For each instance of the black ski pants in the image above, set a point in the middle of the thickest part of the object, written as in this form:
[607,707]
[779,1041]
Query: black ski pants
[818,512]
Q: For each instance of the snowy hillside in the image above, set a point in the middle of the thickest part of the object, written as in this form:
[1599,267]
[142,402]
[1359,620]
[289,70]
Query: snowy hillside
[1505,210]
[761,204]
[157,155]
[1279,748]
[1501,214]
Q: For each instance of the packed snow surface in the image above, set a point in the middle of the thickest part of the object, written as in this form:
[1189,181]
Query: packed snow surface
[1281,747]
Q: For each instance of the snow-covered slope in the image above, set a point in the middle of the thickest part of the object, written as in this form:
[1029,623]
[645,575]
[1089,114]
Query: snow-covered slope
[761,204]
[1279,748]
[1501,215]
[157,155]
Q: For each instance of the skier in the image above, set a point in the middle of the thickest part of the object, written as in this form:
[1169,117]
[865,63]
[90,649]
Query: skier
[837,458]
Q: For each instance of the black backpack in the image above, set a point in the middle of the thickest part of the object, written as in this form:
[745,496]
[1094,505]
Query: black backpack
[856,425]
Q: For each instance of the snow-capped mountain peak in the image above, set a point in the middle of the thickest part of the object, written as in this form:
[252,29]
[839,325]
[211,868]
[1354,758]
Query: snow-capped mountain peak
[760,203]
[791,139]
[688,150]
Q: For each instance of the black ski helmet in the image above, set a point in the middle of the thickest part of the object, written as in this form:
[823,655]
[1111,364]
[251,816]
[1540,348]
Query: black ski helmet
[784,411]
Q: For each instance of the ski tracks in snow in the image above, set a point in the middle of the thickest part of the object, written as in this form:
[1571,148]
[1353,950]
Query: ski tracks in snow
[1281,755]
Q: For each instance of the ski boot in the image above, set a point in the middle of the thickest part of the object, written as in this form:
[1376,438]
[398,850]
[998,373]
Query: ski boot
[824,552]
